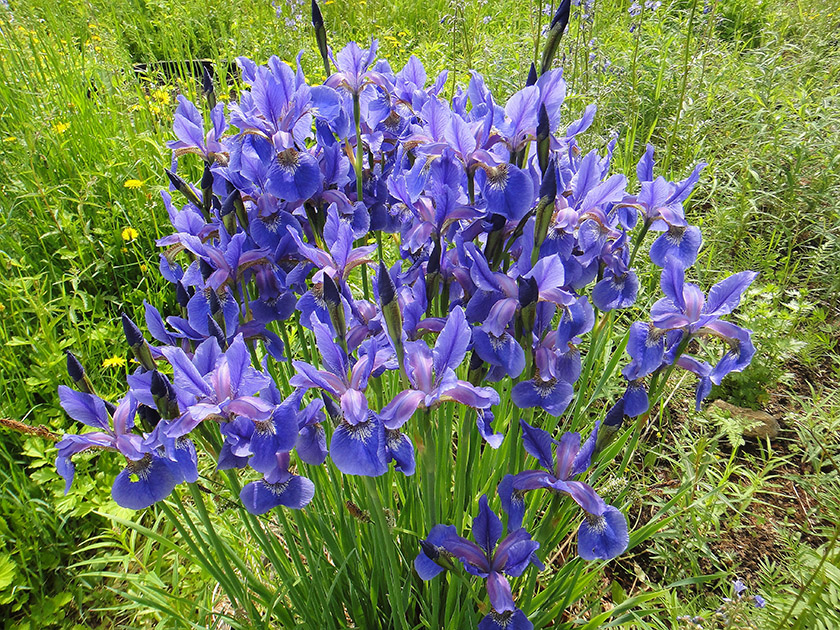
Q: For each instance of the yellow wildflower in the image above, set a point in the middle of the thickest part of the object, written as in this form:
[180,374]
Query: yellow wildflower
[114,361]
[61,127]
[9,139]
[133,183]
[162,96]
[129,234]
[143,268]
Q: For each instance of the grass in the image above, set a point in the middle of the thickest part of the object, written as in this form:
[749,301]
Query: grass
[750,87]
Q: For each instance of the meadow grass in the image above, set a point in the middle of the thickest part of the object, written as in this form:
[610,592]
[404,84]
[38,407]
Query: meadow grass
[750,87]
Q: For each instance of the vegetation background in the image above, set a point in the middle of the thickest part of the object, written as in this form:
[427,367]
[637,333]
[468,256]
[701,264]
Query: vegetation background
[750,86]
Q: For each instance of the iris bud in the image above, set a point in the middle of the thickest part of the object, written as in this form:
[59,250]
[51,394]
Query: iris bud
[391,313]
[182,187]
[206,189]
[181,294]
[228,209]
[555,32]
[543,138]
[207,87]
[609,428]
[205,268]
[320,35]
[137,343]
[332,298]
[149,417]
[216,331]
[77,373]
[545,208]
[532,76]
[164,395]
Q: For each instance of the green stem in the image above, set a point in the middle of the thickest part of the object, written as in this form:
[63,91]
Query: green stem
[686,60]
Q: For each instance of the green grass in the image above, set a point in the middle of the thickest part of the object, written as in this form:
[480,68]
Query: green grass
[752,88]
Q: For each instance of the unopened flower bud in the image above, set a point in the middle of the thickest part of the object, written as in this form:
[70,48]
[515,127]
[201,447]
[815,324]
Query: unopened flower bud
[216,331]
[532,76]
[77,373]
[181,294]
[137,343]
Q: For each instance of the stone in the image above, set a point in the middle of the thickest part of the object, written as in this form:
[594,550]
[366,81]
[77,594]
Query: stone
[762,424]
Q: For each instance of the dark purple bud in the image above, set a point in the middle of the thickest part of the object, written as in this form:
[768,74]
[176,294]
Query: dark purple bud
[543,138]
[529,292]
[159,386]
[137,343]
[77,373]
[110,407]
[207,87]
[320,35]
[612,423]
[149,417]
[213,302]
[181,294]
[132,333]
[385,284]
[229,204]
[317,18]
[331,295]
[333,410]
[182,187]
[205,268]
[434,259]
[216,331]
[548,186]
[430,550]
[496,222]
[555,32]
[74,368]
[532,76]
[164,396]
[207,178]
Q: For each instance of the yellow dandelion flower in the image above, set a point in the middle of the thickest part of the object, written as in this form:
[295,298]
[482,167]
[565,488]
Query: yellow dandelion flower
[129,234]
[60,127]
[113,362]
[9,139]
[143,268]
[133,183]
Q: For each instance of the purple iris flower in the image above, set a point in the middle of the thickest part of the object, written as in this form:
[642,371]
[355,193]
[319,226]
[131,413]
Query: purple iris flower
[277,487]
[360,444]
[352,68]
[340,257]
[546,389]
[603,533]
[686,310]
[148,477]
[432,375]
[189,128]
[485,559]
[227,390]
